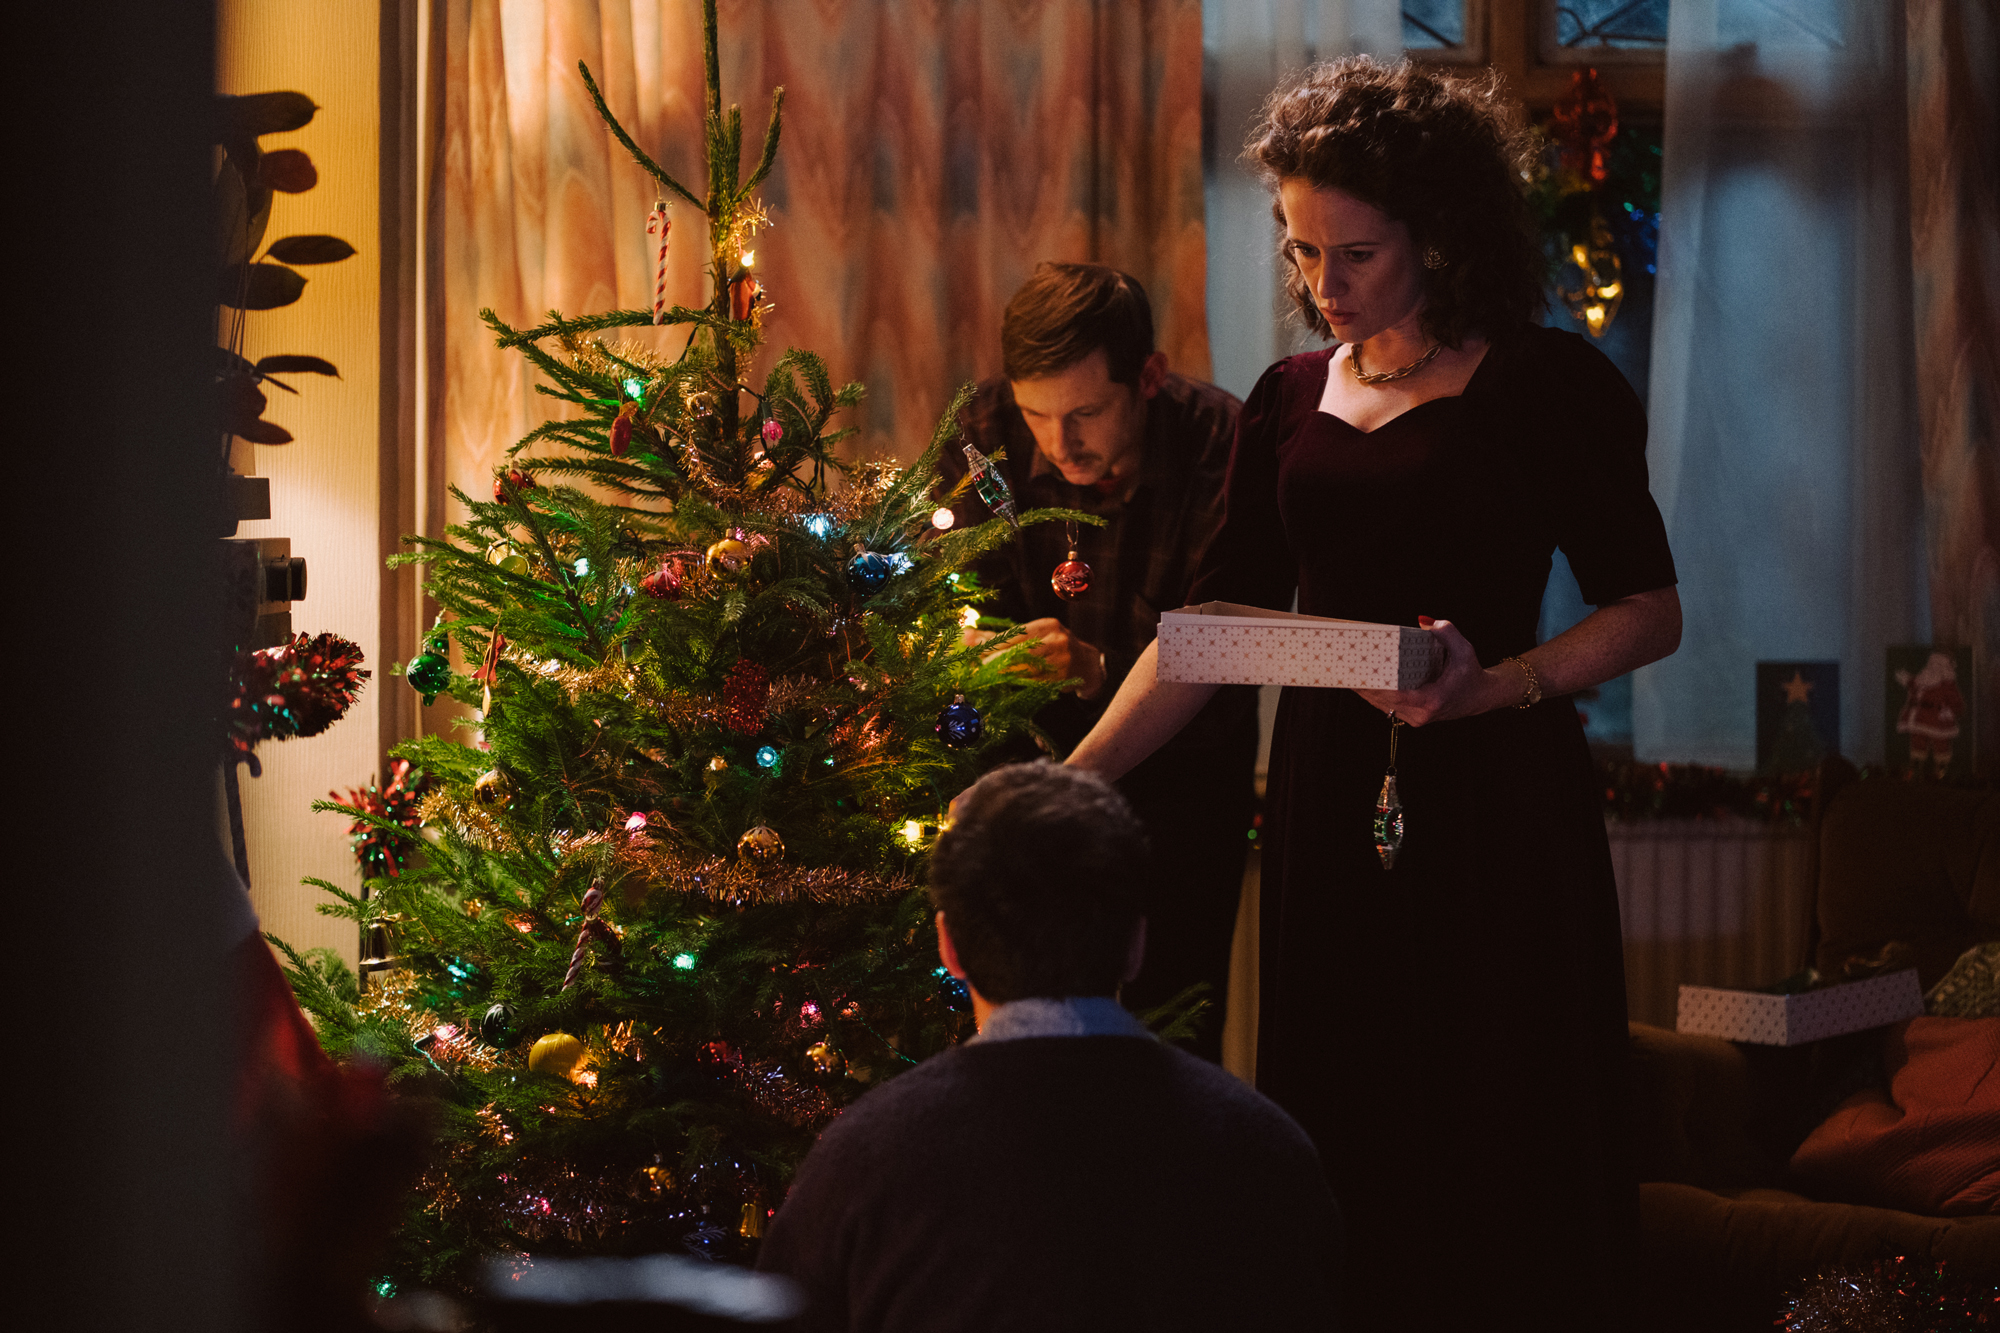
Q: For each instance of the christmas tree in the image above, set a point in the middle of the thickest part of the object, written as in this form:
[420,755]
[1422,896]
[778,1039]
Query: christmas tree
[659,917]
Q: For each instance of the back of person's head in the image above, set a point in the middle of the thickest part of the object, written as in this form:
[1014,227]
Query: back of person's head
[1040,878]
[1067,311]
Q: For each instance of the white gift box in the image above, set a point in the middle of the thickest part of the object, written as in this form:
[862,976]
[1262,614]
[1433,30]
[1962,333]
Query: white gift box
[1790,1020]
[1221,643]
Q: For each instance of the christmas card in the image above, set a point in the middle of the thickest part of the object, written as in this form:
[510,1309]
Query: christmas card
[1929,699]
[1798,715]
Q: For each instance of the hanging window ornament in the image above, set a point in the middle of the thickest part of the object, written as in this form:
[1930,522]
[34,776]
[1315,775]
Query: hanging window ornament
[1071,578]
[1389,806]
[992,487]
[960,724]
[868,571]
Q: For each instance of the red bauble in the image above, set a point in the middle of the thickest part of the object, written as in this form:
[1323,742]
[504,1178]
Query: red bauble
[1071,578]
[621,429]
[664,582]
[514,480]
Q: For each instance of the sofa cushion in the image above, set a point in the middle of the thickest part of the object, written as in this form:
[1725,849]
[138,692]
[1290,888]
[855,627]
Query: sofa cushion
[1930,1142]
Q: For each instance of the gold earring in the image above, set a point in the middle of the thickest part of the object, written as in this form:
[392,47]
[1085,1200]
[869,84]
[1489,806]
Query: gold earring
[1432,259]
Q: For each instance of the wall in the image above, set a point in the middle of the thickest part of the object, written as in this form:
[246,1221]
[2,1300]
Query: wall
[326,492]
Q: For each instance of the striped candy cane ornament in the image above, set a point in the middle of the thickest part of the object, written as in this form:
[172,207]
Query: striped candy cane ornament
[658,223]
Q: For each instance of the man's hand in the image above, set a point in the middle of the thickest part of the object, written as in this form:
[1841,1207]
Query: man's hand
[1066,656]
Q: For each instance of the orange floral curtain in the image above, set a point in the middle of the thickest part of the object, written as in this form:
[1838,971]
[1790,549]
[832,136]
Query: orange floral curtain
[933,153]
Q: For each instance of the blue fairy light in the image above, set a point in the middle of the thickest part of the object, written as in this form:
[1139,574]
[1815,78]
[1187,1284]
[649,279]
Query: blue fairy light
[767,757]
[819,525]
[684,961]
[900,563]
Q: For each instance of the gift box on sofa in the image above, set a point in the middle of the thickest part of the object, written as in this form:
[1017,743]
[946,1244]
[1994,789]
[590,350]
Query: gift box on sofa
[1790,1020]
[1222,643]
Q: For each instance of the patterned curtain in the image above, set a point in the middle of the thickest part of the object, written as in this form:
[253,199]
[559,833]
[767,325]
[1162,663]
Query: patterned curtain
[1954,64]
[933,153]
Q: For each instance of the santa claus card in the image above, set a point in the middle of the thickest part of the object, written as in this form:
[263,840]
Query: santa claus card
[1221,643]
[1929,697]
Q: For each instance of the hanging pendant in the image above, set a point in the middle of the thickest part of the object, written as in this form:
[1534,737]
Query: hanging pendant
[1389,806]
[1071,578]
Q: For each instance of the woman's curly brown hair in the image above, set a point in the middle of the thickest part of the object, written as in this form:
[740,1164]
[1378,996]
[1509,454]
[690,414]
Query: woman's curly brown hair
[1445,155]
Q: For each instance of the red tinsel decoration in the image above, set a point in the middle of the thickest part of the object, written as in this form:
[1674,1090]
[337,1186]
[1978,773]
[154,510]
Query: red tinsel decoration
[1586,122]
[744,694]
[380,852]
[296,689]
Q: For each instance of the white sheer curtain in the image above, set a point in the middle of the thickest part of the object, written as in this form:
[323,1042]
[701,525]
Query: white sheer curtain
[1247,47]
[1783,444]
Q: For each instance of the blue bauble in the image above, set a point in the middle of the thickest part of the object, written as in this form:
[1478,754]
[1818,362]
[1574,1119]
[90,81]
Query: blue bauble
[960,724]
[868,571]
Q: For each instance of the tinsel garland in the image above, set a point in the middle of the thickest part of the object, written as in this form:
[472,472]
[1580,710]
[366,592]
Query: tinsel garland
[380,852]
[1898,1295]
[295,689]
[1692,791]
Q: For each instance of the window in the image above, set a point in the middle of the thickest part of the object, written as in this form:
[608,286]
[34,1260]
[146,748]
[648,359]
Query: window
[1603,31]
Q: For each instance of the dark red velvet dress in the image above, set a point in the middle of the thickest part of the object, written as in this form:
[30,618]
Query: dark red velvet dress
[1451,1033]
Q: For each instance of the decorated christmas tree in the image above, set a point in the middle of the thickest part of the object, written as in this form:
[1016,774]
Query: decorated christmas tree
[646,926]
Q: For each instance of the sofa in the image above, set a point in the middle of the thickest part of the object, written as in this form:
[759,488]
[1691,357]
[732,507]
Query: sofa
[1903,872]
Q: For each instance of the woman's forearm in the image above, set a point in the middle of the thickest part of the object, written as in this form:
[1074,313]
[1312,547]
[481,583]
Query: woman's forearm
[1616,638]
[1143,716]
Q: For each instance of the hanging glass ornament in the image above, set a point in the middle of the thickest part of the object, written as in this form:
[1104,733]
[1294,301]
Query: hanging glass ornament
[728,558]
[1389,806]
[429,672]
[823,1057]
[664,582]
[957,996]
[496,1028]
[960,724]
[492,791]
[992,487]
[760,846]
[1071,578]
[558,1053]
[868,571]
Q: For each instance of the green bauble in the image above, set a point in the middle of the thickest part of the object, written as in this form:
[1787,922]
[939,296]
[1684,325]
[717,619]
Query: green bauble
[430,673]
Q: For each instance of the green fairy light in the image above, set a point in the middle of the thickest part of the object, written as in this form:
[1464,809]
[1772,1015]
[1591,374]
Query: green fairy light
[684,961]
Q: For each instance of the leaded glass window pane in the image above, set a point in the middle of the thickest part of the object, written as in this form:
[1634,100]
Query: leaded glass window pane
[1433,25]
[1587,27]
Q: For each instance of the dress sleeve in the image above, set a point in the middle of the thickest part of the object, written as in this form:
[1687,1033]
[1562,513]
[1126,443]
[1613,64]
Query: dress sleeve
[1248,560]
[1604,517]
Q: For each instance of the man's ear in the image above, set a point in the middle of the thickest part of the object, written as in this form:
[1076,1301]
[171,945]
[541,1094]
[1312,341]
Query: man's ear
[1135,952]
[947,951]
[1152,375]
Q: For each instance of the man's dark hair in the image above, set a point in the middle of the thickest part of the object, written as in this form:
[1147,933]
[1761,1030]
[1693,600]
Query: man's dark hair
[1040,880]
[1067,311]
[1442,153]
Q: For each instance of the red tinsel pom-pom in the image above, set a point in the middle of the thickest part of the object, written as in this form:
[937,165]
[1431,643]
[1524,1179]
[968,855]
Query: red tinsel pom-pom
[744,695]
[380,852]
[296,689]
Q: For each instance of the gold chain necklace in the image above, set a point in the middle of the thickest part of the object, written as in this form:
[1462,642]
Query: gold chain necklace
[1384,376]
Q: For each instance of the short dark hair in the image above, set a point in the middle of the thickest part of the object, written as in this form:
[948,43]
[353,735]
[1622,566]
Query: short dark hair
[1443,154]
[1067,311]
[1041,880]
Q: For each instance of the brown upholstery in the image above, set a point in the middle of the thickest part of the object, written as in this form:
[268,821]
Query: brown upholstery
[1725,1230]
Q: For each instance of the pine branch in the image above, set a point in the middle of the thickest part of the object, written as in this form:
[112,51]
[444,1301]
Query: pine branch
[653,169]
[769,157]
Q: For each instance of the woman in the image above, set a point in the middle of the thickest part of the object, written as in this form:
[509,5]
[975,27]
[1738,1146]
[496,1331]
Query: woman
[1451,1031]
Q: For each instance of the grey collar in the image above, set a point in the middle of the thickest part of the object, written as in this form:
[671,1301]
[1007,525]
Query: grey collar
[1072,1016]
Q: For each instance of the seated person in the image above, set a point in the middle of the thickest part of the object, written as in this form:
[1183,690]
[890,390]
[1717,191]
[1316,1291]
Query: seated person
[1063,1169]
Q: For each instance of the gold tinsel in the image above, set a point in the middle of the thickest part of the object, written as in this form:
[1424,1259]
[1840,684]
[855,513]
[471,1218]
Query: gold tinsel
[469,821]
[726,880]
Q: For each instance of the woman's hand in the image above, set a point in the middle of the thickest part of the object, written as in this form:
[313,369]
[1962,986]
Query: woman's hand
[1462,689]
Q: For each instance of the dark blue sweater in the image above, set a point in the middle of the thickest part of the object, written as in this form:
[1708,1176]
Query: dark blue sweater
[1054,1183]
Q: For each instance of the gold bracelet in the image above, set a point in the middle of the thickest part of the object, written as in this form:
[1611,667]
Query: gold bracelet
[1533,694]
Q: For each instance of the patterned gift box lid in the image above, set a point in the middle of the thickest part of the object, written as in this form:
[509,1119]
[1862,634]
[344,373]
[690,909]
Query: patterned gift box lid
[1791,1020]
[1223,643]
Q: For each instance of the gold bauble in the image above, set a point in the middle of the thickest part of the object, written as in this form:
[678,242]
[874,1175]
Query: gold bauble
[728,558]
[752,1225]
[824,1058]
[491,790]
[652,1180]
[760,846]
[557,1054]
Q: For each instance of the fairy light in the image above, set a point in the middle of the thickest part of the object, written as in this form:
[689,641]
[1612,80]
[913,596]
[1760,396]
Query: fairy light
[969,617]
[749,259]
[913,832]
[684,961]
[943,519]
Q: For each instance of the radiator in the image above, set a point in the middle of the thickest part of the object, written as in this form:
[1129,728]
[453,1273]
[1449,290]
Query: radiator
[1708,903]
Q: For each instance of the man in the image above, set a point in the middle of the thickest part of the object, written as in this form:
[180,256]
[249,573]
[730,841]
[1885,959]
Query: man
[1092,419]
[1063,1169]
